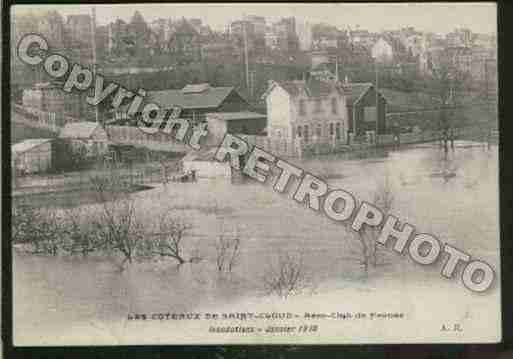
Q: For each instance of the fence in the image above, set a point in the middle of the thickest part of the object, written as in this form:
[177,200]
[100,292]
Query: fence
[136,175]
[286,148]
[158,141]
[408,138]
[41,119]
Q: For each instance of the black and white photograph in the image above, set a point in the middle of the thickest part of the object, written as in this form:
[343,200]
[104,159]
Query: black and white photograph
[254,173]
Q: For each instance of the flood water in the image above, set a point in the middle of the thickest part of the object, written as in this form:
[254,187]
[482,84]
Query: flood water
[454,197]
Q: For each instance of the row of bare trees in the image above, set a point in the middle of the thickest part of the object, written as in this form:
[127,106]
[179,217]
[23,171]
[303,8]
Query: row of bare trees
[115,227]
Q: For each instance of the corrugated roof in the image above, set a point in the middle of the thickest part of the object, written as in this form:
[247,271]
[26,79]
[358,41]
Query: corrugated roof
[29,144]
[196,88]
[79,129]
[230,116]
[211,98]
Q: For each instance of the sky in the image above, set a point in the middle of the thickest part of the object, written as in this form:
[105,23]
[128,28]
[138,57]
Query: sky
[429,17]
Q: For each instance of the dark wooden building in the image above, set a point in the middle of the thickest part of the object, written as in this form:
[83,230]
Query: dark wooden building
[361,108]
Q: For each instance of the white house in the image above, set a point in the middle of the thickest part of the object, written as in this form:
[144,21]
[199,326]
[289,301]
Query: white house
[382,51]
[32,155]
[204,165]
[310,111]
[90,136]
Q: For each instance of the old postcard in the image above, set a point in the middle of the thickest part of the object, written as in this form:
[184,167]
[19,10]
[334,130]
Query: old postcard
[254,174]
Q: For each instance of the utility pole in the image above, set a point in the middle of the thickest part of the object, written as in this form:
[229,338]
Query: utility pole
[93,44]
[336,69]
[377,102]
[486,78]
[246,62]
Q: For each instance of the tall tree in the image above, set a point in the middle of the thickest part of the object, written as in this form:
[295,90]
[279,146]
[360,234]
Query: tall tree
[450,84]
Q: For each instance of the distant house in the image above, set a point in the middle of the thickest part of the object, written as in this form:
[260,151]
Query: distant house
[389,49]
[220,52]
[89,136]
[247,123]
[45,97]
[382,50]
[308,110]
[184,43]
[32,155]
[204,164]
[361,108]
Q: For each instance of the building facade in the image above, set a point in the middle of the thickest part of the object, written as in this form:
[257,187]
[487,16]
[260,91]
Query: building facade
[89,137]
[363,118]
[32,155]
[45,97]
[246,123]
[307,112]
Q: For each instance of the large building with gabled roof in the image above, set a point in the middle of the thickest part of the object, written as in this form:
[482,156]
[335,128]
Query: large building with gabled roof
[194,101]
[199,99]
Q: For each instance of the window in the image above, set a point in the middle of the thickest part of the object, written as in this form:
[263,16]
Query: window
[302,108]
[305,132]
[334,106]
[318,105]
[318,132]
[299,131]
[337,130]
[331,129]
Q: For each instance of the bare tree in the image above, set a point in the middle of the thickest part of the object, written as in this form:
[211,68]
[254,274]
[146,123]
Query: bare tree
[169,239]
[287,276]
[117,224]
[79,232]
[367,236]
[450,84]
[38,228]
[227,252]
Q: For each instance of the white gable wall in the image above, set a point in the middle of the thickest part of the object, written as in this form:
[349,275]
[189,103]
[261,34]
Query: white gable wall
[279,113]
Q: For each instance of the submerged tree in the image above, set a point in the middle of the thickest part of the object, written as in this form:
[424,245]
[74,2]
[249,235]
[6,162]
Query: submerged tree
[227,252]
[287,276]
[367,236]
[79,233]
[117,224]
[169,240]
[36,227]
[450,84]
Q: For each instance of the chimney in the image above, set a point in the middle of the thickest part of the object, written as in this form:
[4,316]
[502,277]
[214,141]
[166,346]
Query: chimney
[346,80]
